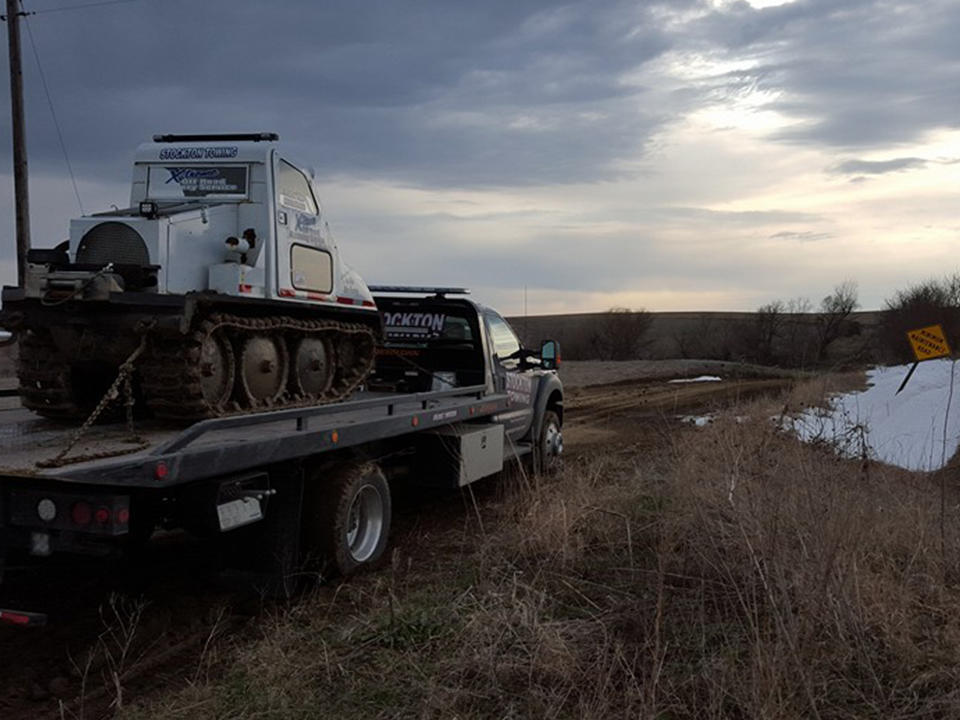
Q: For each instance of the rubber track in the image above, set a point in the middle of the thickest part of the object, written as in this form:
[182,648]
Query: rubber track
[44,376]
[170,373]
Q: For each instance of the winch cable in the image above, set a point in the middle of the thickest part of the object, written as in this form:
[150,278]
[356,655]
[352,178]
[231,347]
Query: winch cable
[77,290]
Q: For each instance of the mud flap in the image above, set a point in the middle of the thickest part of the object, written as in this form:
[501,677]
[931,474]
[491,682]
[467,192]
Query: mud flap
[267,553]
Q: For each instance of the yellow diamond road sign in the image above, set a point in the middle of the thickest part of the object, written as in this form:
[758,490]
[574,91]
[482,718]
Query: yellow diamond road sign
[929,343]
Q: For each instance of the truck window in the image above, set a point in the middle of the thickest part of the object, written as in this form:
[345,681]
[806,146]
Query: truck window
[293,189]
[311,269]
[505,342]
[182,182]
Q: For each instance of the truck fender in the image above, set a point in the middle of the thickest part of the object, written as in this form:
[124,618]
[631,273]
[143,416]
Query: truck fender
[549,397]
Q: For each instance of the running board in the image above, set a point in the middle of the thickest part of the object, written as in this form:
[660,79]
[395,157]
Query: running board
[515,451]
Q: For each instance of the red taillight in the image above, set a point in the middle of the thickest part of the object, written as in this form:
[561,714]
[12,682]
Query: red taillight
[161,470]
[102,516]
[81,513]
[123,516]
[14,618]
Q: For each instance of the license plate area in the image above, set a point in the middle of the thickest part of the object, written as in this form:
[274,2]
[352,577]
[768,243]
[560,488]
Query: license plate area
[237,513]
[242,501]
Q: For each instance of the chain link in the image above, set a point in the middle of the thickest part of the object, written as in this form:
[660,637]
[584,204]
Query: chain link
[124,379]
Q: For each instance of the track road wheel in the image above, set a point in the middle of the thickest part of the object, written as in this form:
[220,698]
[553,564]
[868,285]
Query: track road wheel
[347,517]
[312,368]
[263,369]
[217,370]
[549,450]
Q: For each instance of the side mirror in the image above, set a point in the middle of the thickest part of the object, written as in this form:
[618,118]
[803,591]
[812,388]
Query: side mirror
[550,355]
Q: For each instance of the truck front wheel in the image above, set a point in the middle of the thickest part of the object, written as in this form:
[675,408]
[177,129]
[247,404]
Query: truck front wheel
[351,520]
[549,450]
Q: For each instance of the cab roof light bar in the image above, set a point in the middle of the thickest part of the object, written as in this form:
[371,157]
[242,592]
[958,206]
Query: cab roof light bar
[419,290]
[217,137]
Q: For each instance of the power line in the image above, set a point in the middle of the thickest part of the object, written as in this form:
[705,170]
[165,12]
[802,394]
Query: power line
[81,6]
[56,123]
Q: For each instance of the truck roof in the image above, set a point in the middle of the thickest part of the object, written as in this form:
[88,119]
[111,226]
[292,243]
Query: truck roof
[201,148]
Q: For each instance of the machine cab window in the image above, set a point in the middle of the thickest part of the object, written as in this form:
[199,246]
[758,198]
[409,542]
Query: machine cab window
[293,189]
[184,182]
[506,346]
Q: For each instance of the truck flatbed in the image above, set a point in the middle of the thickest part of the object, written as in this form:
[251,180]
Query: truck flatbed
[300,491]
[173,456]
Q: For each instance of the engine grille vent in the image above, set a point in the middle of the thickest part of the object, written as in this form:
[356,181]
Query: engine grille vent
[112,242]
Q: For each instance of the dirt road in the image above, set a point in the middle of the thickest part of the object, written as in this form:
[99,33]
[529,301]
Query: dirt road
[159,629]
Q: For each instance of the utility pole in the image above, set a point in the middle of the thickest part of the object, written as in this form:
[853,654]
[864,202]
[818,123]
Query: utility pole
[20,189]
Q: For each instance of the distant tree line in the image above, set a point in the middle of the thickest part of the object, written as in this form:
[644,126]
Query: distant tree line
[795,333]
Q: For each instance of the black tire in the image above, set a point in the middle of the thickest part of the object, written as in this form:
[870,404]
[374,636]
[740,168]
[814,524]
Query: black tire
[346,517]
[549,450]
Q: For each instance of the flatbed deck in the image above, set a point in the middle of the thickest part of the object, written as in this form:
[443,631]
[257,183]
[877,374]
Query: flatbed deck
[173,455]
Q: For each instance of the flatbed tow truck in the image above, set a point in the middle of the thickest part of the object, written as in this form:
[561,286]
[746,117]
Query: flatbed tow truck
[298,493]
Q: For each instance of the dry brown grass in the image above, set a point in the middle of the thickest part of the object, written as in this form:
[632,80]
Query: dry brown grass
[734,574]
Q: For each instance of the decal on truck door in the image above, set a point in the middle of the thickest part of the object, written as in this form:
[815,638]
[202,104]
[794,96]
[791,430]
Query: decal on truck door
[519,388]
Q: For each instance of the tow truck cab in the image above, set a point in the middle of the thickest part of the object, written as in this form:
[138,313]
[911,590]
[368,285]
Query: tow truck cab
[438,342]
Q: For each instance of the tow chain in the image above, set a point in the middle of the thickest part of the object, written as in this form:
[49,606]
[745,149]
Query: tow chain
[125,380]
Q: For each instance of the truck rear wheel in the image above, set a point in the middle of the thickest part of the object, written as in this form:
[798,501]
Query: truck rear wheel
[347,516]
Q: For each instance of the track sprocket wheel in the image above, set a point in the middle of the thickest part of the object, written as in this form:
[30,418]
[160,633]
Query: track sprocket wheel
[263,368]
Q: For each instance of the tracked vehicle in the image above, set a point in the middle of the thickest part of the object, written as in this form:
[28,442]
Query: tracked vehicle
[219,290]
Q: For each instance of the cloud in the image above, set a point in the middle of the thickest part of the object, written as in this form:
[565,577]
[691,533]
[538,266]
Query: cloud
[878,167]
[429,92]
[850,73]
[804,236]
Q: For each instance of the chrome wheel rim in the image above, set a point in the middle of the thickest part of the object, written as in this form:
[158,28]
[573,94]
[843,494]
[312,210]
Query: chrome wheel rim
[552,445]
[364,523]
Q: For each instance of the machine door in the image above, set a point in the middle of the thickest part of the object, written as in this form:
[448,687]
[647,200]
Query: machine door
[304,260]
[518,383]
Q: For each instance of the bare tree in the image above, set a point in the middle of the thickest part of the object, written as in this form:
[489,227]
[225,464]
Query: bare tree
[619,333]
[767,327]
[835,308]
[799,337]
[933,301]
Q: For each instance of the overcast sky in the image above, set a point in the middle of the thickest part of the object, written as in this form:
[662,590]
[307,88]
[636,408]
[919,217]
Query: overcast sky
[683,155]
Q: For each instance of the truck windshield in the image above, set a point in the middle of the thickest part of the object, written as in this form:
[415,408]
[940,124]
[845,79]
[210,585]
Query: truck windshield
[186,182]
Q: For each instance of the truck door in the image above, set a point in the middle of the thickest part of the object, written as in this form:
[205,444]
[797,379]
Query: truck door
[517,383]
[304,260]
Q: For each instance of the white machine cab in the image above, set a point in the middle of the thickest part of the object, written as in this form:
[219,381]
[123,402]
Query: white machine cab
[227,213]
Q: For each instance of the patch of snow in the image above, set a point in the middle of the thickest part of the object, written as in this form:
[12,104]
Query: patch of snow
[915,429]
[697,420]
[702,378]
